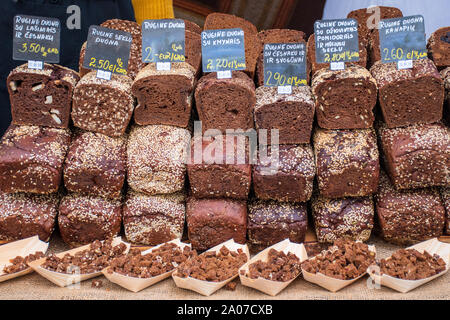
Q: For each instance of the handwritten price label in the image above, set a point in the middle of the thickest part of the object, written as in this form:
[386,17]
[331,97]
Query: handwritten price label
[223,50]
[284,64]
[402,39]
[107,50]
[163,40]
[36,39]
[336,40]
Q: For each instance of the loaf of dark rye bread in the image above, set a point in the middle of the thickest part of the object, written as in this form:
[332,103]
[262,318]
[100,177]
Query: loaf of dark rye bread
[84,219]
[276,36]
[350,218]
[446,77]
[192,26]
[135,63]
[225,103]
[23,215]
[314,66]
[164,97]
[193,50]
[416,156]
[408,216]
[221,170]
[344,99]
[445,194]
[41,97]
[152,220]
[218,20]
[103,106]
[96,164]
[31,159]
[409,96]
[367,19]
[286,176]
[347,163]
[213,221]
[270,222]
[156,158]
[439,47]
[292,115]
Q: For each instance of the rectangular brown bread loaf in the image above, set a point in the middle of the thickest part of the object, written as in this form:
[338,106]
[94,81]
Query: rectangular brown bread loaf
[41,97]
[416,156]
[151,220]
[445,193]
[350,218]
[225,103]
[408,216]
[23,215]
[270,222]
[84,219]
[409,96]
[315,66]
[96,164]
[439,47]
[156,159]
[103,106]
[164,97]
[344,99]
[213,221]
[276,36]
[192,26]
[135,63]
[366,19]
[219,168]
[31,159]
[289,178]
[292,115]
[446,77]
[193,50]
[218,20]
[347,163]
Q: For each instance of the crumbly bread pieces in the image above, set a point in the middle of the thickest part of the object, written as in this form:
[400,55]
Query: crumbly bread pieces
[409,96]
[96,164]
[41,97]
[151,220]
[292,115]
[416,156]
[164,97]
[23,215]
[350,218]
[84,218]
[288,176]
[156,157]
[408,216]
[345,99]
[31,159]
[213,221]
[225,103]
[347,162]
[270,222]
[103,106]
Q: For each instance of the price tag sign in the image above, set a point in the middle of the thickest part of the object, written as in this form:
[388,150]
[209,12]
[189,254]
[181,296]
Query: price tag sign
[163,40]
[402,39]
[223,50]
[36,39]
[336,41]
[284,64]
[107,50]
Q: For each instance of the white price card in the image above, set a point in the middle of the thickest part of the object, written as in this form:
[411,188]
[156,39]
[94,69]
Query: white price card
[35,64]
[337,65]
[105,75]
[163,66]
[284,89]
[224,74]
[404,64]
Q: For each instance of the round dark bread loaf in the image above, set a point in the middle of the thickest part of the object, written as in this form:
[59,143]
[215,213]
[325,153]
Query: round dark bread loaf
[439,47]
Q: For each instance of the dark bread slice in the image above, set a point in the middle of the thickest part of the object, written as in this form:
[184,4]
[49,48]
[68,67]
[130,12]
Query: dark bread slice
[42,97]
[409,96]
[439,47]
